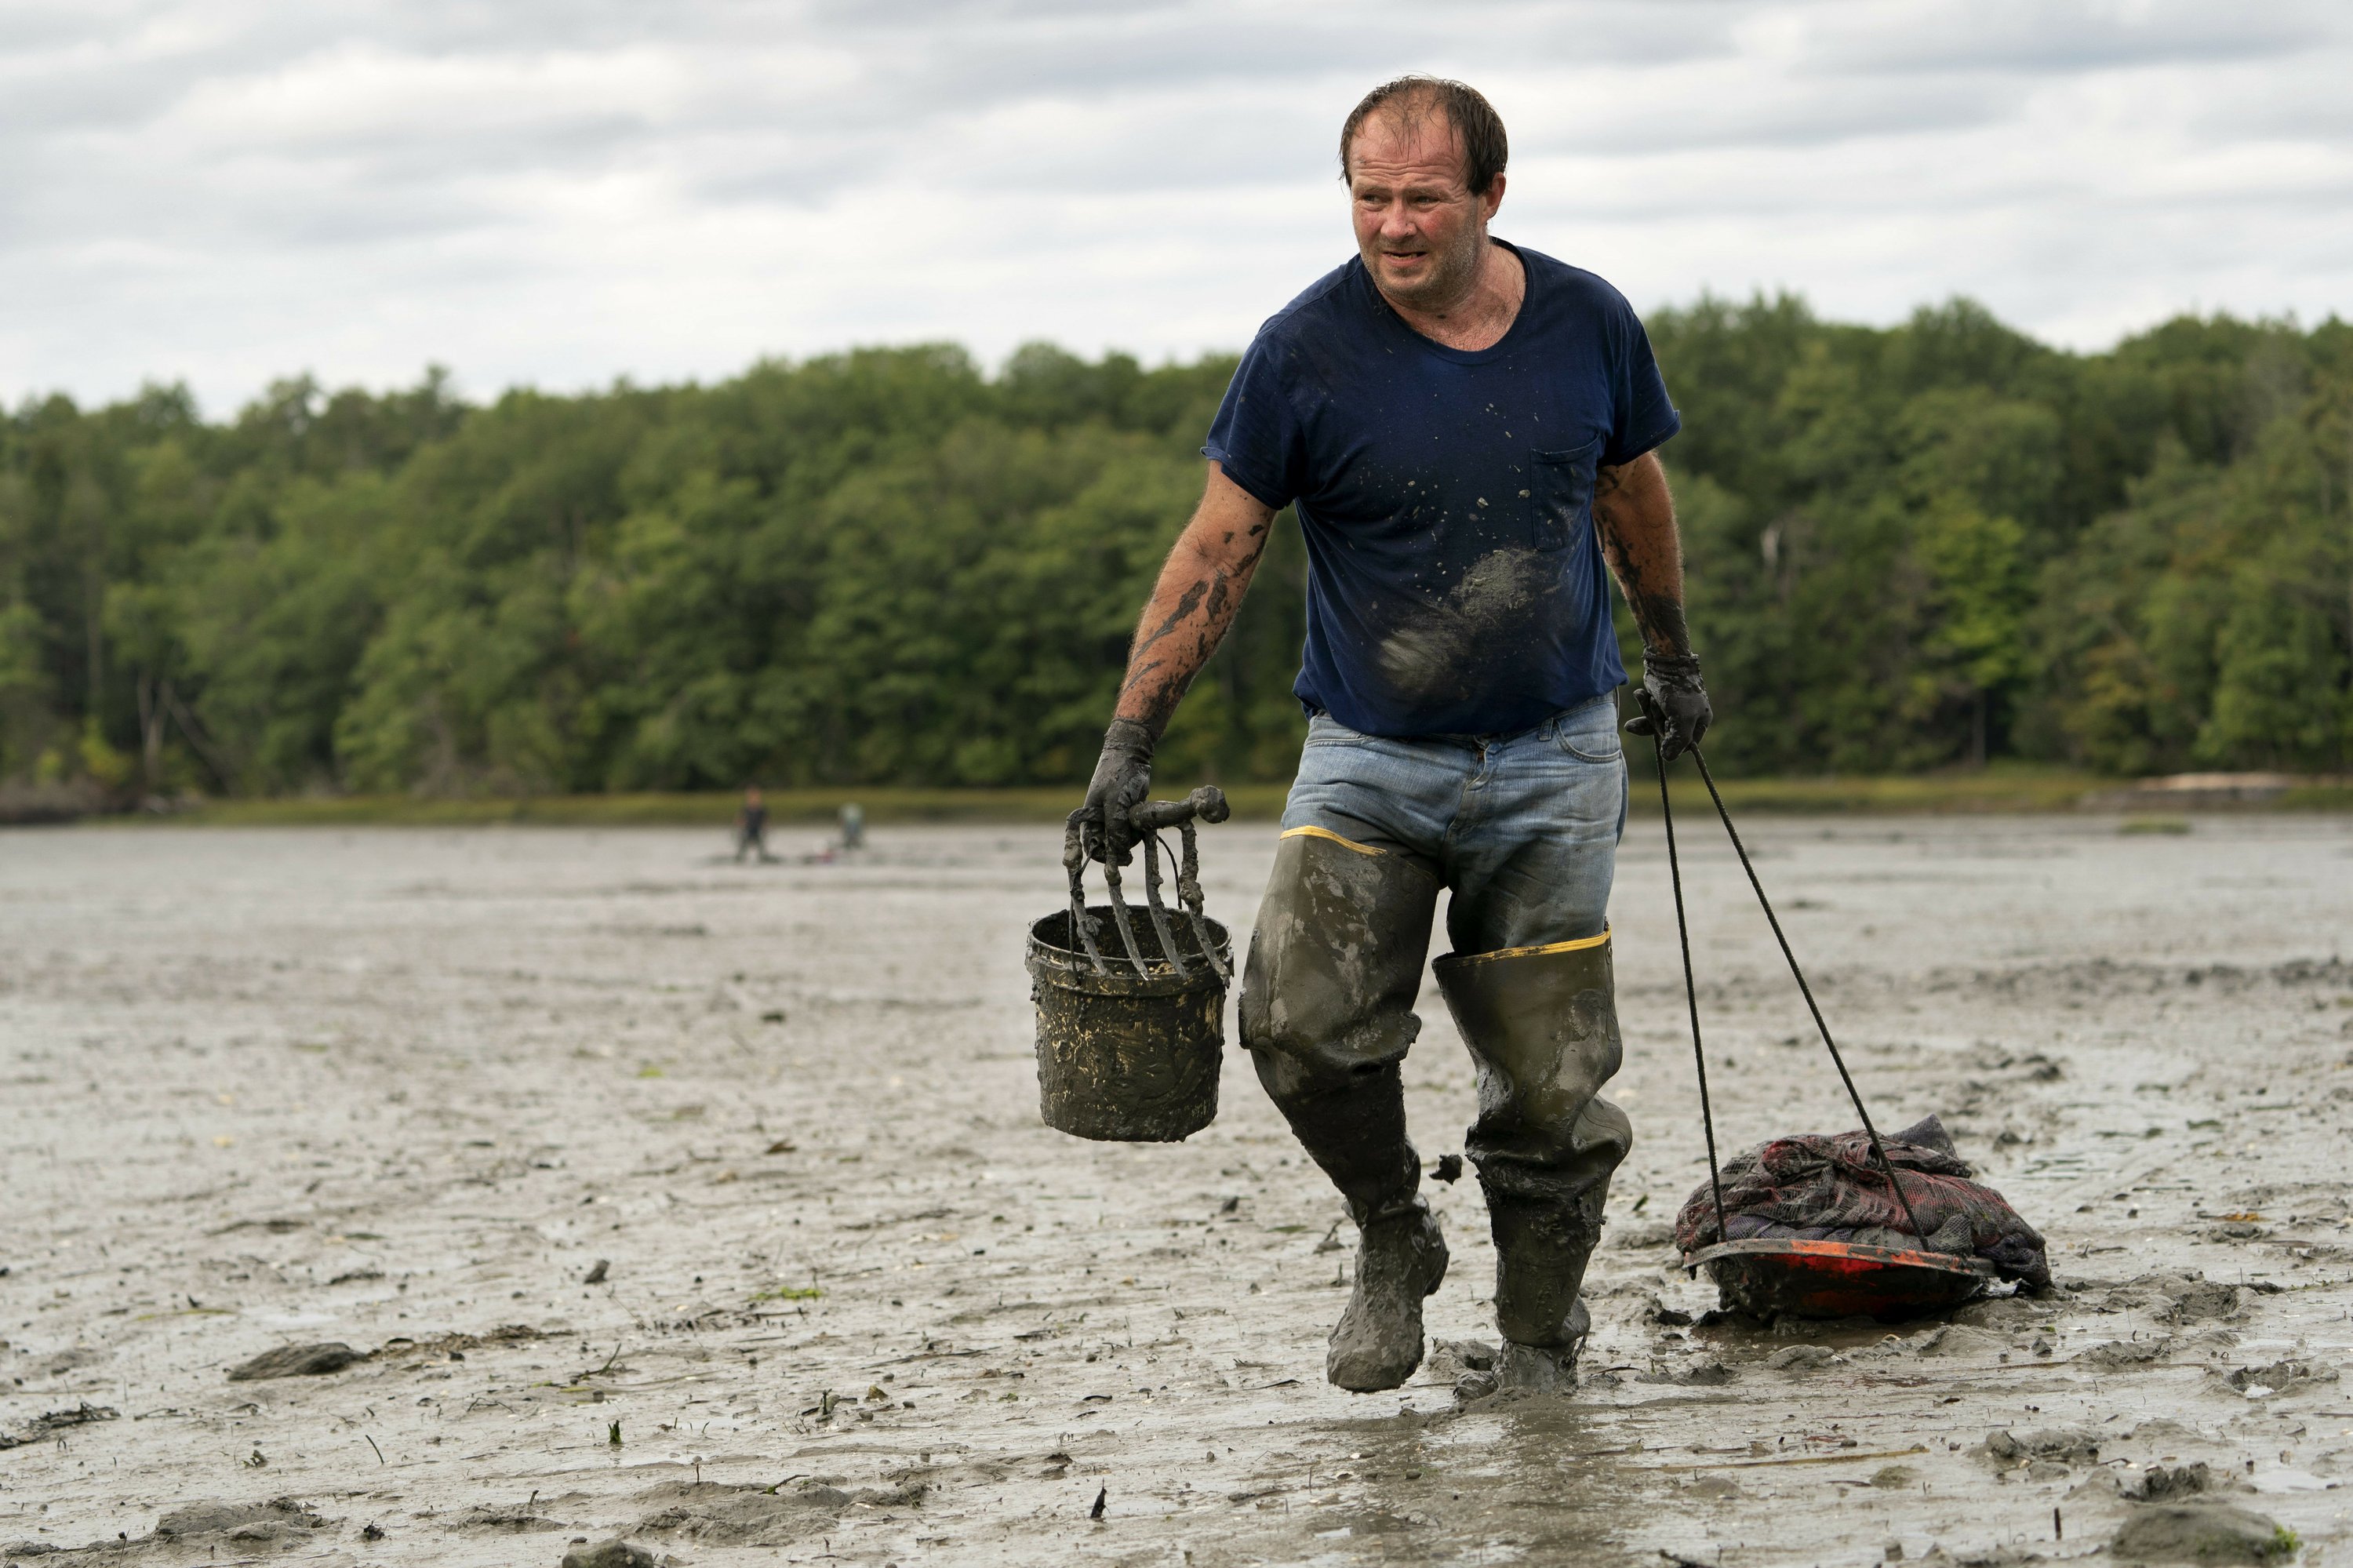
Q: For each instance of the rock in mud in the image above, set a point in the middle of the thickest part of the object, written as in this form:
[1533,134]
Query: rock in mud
[1666,1316]
[614,1553]
[2280,1376]
[297,1360]
[2007,1448]
[1450,1358]
[2200,1533]
[1799,1357]
[2119,1353]
[281,1518]
[2159,1482]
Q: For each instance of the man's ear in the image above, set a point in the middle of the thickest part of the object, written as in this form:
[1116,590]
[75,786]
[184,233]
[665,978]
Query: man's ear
[1493,199]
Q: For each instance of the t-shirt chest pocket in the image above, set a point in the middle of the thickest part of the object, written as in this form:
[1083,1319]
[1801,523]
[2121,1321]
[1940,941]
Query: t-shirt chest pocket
[1560,501]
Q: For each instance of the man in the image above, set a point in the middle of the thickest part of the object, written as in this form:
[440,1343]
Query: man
[752,827]
[1467,431]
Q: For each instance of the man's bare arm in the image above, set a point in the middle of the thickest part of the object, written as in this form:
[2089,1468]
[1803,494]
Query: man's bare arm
[1636,518]
[1200,588]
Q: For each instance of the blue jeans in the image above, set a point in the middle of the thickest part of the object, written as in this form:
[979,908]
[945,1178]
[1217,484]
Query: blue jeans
[1523,828]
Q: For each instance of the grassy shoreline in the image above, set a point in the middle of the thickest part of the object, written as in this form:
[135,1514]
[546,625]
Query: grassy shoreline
[2001,789]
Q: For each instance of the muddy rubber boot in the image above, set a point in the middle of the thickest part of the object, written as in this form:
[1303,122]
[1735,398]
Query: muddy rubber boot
[1400,1260]
[1327,1015]
[1542,1024]
[1356,1133]
[1549,1367]
[1541,1248]
[1544,1369]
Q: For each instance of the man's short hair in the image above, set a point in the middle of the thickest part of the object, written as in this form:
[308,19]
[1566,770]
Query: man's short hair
[1485,150]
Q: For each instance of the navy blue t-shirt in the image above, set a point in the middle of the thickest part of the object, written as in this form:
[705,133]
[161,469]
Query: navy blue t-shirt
[1455,582]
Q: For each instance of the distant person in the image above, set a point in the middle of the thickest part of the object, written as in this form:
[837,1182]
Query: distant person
[1467,429]
[853,826]
[752,828]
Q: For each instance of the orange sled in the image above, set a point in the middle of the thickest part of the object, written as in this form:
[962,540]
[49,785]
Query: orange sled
[1767,1276]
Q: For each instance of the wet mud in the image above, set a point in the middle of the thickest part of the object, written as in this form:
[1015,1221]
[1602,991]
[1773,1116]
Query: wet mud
[1428,656]
[408,1093]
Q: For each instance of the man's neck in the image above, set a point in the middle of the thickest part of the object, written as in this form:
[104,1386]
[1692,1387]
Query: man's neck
[1486,310]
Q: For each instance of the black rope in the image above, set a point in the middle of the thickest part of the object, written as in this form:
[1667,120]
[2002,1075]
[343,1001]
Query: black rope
[1804,989]
[1690,987]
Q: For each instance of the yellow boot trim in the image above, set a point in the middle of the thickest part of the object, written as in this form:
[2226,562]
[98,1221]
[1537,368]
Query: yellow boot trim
[1314,832]
[1577,946]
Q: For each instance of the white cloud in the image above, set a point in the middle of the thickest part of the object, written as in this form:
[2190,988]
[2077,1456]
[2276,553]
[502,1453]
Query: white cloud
[561,193]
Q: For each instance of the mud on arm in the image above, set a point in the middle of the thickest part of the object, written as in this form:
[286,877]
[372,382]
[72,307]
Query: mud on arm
[1200,588]
[1636,516]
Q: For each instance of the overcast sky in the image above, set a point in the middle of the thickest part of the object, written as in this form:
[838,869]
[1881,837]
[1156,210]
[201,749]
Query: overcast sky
[562,192]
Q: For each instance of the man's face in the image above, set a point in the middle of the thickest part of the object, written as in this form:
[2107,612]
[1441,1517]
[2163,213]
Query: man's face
[1422,231]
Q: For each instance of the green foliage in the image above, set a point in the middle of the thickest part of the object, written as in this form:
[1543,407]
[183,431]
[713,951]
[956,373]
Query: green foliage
[1937,544]
[1946,544]
[878,567]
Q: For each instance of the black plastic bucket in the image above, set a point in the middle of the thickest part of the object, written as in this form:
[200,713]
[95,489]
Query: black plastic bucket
[1126,1054]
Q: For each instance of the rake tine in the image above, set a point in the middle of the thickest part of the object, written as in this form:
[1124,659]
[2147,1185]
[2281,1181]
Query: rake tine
[1159,910]
[1118,917]
[1189,893]
[1084,926]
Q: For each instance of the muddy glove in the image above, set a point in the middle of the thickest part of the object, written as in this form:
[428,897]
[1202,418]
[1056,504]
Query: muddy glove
[1099,830]
[1674,700]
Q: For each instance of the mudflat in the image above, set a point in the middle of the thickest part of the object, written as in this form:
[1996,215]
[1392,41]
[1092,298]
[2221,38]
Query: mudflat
[547,1186]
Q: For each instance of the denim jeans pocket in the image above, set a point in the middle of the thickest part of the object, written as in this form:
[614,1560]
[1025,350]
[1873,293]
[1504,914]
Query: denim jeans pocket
[1561,506]
[1589,734]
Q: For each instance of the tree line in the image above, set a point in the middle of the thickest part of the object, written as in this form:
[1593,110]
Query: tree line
[1921,546]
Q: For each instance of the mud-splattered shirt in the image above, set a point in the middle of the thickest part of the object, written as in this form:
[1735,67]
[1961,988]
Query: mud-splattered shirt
[1455,583]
